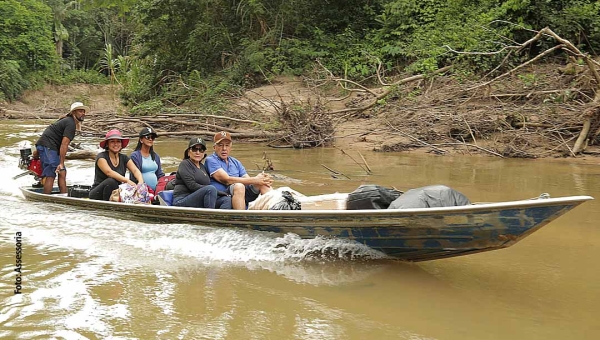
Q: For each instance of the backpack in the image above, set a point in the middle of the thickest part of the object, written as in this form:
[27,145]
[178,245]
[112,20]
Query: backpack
[166,182]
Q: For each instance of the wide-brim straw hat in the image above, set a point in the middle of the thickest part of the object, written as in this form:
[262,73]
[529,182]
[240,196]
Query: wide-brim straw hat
[78,106]
[114,134]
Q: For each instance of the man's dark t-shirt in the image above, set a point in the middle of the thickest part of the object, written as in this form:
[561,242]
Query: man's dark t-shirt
[54,133]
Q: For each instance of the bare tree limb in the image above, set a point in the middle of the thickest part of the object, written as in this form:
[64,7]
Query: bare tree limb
[416,139]
[473,146]
[530,61]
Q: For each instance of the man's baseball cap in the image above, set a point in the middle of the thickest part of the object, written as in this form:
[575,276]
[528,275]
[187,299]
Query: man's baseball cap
[220,136]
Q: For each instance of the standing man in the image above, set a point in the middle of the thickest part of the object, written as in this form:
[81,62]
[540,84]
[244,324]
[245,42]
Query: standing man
[229,175]
[53,145]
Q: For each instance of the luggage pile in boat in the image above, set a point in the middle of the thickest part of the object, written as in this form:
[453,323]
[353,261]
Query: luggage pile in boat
[364,197]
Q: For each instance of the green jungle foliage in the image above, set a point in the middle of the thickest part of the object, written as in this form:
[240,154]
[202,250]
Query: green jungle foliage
[198,52]
[11,80]
[26,35]
[25,44]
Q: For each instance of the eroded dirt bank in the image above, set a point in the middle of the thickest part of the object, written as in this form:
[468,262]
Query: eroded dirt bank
[432,116]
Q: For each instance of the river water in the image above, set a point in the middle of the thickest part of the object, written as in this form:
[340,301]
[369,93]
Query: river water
[89,275]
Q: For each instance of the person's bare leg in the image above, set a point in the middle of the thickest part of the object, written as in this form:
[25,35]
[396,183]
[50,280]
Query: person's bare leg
[62,181]
[48,184]
[238,201]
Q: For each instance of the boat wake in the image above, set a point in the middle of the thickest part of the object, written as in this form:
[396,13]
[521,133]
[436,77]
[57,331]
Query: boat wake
[324,249]
[105,234]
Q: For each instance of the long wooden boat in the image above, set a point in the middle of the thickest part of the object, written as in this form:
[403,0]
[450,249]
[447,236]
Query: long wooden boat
[407,234]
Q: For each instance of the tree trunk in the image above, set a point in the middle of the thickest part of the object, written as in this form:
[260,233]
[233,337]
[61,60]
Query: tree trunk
[59,48]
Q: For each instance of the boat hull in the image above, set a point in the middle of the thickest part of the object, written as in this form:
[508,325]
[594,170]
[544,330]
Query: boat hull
[408,234]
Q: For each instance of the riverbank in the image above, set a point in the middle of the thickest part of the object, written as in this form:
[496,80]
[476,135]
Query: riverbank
[418,124]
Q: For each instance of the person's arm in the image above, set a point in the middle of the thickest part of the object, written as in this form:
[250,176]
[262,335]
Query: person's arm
[64,147]
[261,179]
[137,174]
[103,165]
[159,172]
[136,157]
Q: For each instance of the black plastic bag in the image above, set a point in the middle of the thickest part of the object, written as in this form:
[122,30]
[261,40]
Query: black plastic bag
[371,197]
[288,202]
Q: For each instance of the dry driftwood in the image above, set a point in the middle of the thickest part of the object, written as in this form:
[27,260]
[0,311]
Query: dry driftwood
[81,154]
[234,135]
[548,124]
[14,114]
[388,88]
[590,118]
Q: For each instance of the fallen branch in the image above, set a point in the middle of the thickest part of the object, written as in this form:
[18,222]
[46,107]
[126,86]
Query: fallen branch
[530,94]
[14,114]
[387,91]
[567,145]
[473,146]
[334,172]
[416,139]
[365,162]
[210,134]
[343,80]
[81,154]
[368,171]
[194,115]
[582,140]
[537,57]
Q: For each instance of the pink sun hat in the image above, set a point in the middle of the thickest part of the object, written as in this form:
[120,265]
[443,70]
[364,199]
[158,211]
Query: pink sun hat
[114,134]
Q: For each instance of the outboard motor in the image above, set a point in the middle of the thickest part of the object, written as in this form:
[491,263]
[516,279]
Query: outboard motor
[32,165]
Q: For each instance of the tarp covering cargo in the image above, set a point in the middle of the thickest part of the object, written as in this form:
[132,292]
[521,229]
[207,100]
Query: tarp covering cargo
[429,197]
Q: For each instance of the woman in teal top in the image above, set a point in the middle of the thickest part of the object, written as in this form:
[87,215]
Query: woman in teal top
[146,159]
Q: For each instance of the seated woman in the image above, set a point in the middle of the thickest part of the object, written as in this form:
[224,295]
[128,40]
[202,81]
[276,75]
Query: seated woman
[111,166]
[146,159]
[192,183]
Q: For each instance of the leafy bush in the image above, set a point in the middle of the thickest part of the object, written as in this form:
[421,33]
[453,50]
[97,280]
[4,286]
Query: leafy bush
[26,34]
[12,82]
[81,77]
[418,32]
[181,45]
[138,81]
[151,106]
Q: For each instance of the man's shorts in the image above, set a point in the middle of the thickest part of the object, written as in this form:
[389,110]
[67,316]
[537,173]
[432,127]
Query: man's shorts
[251,192]
[50,161]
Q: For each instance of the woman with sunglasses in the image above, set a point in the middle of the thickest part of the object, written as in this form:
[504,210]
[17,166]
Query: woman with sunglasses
[146,159]
[192,183]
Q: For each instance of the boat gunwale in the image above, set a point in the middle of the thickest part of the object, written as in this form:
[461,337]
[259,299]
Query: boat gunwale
[473,208]
[352,224]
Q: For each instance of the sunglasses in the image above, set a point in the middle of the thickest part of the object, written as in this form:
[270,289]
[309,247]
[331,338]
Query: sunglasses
[197,149]
[150,137]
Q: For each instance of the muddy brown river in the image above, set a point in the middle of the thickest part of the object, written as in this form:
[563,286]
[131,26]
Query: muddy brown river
[87,275]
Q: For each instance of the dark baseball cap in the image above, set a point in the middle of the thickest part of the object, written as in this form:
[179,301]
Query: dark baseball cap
[148,131]
[196,141]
